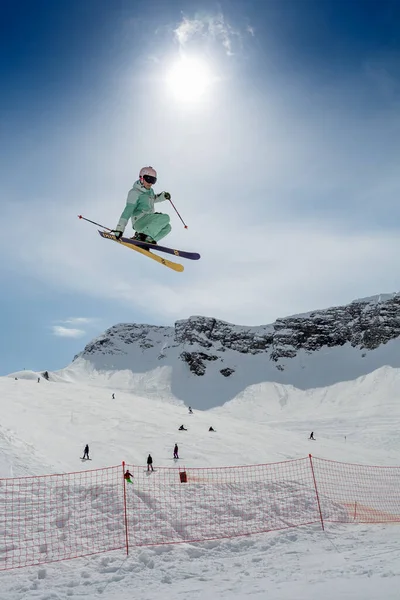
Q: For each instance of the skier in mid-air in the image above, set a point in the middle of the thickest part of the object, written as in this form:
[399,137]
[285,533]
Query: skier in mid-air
[149,226]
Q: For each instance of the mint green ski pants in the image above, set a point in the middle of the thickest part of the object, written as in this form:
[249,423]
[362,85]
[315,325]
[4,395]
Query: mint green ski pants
[155,225]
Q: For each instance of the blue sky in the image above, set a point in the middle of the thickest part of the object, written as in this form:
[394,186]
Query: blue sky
[285,169]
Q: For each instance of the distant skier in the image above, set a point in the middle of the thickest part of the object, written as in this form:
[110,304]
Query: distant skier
[150,463]
[113,396]
[182,428]
[38,379]
[176,451]
[86,453]
[190,410]
[311,436]
[211,429]
[148,225]
[128,476]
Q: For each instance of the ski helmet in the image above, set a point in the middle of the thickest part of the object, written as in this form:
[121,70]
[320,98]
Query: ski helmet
[152,173]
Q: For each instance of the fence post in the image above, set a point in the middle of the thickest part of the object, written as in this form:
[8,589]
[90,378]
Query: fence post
[125,510]
[316,492]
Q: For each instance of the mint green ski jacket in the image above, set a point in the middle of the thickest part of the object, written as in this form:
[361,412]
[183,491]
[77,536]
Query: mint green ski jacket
[139,202]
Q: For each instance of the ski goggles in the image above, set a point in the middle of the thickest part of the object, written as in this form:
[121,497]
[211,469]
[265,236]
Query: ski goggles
[150,179]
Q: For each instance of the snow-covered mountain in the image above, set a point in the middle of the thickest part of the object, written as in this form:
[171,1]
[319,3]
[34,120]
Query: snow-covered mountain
[205,362]
[44,426]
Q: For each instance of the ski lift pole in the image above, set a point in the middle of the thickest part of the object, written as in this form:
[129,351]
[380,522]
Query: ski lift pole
[94,223]
[173,206]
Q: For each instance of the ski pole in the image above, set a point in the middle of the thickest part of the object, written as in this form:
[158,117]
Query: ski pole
[173,205]
[94,223]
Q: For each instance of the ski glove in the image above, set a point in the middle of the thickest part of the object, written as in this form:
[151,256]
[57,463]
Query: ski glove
[117,234]
[167,195]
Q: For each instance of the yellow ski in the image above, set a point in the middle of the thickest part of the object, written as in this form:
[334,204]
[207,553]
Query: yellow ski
[167,263]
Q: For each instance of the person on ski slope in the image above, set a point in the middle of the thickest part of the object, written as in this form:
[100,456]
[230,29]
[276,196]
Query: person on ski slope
[176,451]
[128,476]
[86,452]
[149,226]
[150,463]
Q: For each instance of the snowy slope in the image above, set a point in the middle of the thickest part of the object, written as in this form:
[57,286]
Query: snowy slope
[43,429]
[144,374]
[263,410]
[127,428]
[353,562]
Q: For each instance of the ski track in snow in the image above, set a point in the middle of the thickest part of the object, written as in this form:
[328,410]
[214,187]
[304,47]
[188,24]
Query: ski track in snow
[45,426]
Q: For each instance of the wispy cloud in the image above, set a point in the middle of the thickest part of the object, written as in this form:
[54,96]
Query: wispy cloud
[72,327]
[67,332]
[79,321]
[187,28]
[211,27]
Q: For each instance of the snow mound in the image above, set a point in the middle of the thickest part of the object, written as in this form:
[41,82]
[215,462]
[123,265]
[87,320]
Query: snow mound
[26,374]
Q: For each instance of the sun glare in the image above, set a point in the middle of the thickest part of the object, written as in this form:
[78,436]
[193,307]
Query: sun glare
[189,79]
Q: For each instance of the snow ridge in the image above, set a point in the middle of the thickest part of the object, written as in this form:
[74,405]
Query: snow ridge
[206,362]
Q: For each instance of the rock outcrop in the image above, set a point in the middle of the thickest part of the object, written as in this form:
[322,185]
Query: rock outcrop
[365,324]
[206,361]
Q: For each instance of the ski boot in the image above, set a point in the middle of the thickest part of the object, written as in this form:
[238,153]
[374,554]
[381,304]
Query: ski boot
[142,237]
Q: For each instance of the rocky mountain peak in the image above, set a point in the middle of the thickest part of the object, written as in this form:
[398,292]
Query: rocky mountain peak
[308,350]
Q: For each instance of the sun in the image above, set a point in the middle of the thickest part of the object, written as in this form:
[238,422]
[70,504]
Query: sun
[189,79]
